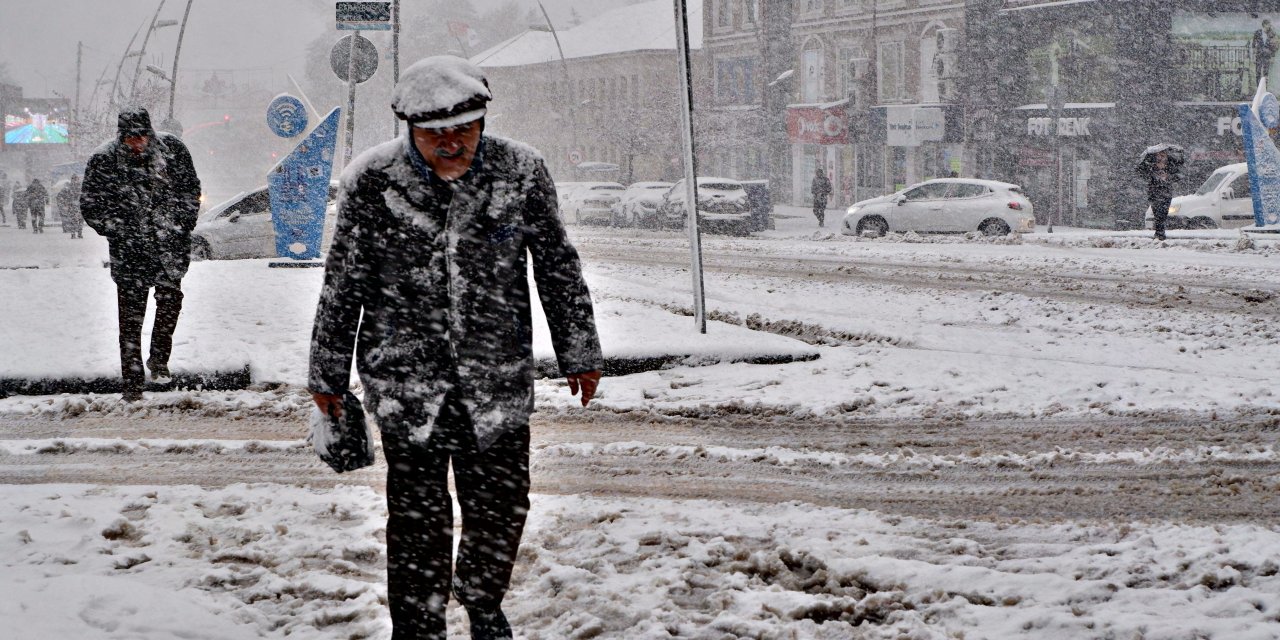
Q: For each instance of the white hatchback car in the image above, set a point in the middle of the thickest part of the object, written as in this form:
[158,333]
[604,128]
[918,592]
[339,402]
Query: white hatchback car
[591,202]
[946,205]
[638,206]
[242,228]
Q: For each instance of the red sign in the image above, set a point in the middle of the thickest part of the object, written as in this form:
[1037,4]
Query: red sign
[818,125]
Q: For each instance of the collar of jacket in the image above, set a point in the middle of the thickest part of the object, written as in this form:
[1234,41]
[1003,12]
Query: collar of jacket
[420,163]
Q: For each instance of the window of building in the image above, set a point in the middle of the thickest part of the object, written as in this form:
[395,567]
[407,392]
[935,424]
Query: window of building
[751,8]
[811,6]
[735,81]
[890,74]
[812,89]
[635,89]
[723,17]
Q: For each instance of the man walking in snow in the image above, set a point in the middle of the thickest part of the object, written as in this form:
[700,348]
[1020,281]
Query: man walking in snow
[18,196]
[821,192]
[141,193]
[433,233]
[69,208]
[37,200]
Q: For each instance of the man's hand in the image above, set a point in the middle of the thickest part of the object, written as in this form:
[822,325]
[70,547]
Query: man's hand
[331,404]
[587,382]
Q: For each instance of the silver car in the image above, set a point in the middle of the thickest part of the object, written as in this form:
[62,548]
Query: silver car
[638,206]
[242,228]
[723,206]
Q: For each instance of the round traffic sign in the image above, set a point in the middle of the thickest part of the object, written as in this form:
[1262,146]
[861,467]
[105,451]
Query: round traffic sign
[286,116]
[575,157]
[366,57]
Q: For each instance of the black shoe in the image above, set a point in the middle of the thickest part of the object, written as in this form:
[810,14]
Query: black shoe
[160,373]
[131,396]
[489,625]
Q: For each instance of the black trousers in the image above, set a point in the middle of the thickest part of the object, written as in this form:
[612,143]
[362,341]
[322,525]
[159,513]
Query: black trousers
[493,492]
[820,210]
[132,302]
[37,219]
[1160,213]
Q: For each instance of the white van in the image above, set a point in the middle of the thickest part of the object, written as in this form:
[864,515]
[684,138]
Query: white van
[1223,201]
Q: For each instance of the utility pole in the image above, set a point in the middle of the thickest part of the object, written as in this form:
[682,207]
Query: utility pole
[690,164]
[395,58]
[75,110]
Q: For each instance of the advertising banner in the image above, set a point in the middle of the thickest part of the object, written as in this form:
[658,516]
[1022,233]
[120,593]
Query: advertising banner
[37,122]
[818,124]
[299,192]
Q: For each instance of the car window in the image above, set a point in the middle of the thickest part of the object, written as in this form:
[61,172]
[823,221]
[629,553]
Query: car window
[961,190]
[722,186]
[607,187]
[1211,184]
[1240,187]
[931,191]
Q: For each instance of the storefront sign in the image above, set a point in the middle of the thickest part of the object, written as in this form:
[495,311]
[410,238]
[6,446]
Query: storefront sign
[910,126]
[1066,127]
[1227,124]
[818,124]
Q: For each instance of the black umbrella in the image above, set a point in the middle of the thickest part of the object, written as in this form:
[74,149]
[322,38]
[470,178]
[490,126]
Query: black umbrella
[1176,155]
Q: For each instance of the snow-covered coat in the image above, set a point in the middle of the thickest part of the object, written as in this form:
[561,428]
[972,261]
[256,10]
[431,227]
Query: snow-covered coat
[37,197]
[444,293]
[145,206]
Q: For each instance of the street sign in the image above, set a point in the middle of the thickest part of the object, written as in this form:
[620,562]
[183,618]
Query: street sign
[286,116]
[365,61]
[364,16]
[299,190]
[575,157]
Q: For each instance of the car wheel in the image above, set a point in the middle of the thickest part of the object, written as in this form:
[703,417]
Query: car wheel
[200,249]
[1201,222]
[873,224]
[994,227]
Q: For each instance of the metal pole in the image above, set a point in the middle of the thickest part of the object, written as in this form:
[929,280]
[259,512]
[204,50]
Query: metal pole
[115,84]
[75,110]
[173,77]
[137,70]
[351,99]
[395,58]
[690,164]
[564,67]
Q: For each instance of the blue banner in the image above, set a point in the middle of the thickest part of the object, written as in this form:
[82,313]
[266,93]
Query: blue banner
[299,191]
[1262,155]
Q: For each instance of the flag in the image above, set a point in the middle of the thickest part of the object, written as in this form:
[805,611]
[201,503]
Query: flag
[464,33]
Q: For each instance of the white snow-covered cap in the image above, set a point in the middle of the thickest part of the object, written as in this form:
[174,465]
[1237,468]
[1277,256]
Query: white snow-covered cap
[441,91]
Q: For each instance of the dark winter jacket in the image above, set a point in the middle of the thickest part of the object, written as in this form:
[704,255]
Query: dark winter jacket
[821,188]
[20,203]
[444,290]
[37,197]
[68,201]
[1159,184]
[145,206]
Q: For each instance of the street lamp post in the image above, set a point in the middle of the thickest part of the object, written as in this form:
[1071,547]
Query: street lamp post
[142,50]
[564,67]
[170,122]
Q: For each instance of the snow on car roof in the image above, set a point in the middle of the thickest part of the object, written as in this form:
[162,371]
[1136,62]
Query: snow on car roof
[648,26]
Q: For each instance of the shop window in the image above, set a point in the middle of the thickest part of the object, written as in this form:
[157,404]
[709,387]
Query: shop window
[1080,58]
[735,81]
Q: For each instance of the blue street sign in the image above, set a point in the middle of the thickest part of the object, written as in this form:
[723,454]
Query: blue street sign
[286,116]
[299,191]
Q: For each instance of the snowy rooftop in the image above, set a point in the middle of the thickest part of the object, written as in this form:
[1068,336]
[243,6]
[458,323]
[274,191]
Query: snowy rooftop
[647,26]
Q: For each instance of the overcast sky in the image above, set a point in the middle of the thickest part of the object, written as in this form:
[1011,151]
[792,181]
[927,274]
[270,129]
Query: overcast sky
[38,39]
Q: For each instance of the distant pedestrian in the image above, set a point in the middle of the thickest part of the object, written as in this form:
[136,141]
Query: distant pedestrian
[37,200]
[141,193]
[1265,44]
[821,192]
[4,202]
[18,197]
[68,200]
[1161,171]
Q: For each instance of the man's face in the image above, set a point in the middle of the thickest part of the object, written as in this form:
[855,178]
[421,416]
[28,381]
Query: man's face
[137,143]
[449,151]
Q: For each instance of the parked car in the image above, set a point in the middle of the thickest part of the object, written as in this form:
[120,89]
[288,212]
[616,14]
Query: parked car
[946,205]
[591,202]
[723,206]
[638,206]
[1224,200]
[242,228]
[563,189]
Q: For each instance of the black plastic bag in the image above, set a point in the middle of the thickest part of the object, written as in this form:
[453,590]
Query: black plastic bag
[344,443]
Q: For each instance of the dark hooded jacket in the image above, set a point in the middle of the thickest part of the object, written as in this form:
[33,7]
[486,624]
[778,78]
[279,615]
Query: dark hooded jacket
[144,205]
[439,272]
[37,197]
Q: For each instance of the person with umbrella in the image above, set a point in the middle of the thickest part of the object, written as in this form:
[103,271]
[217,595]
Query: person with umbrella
[1161,166]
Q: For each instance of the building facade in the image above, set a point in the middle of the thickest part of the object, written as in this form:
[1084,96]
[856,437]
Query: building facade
[603,103]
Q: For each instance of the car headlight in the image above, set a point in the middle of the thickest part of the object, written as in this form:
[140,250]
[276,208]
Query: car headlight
[1174,208]
[853,209]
